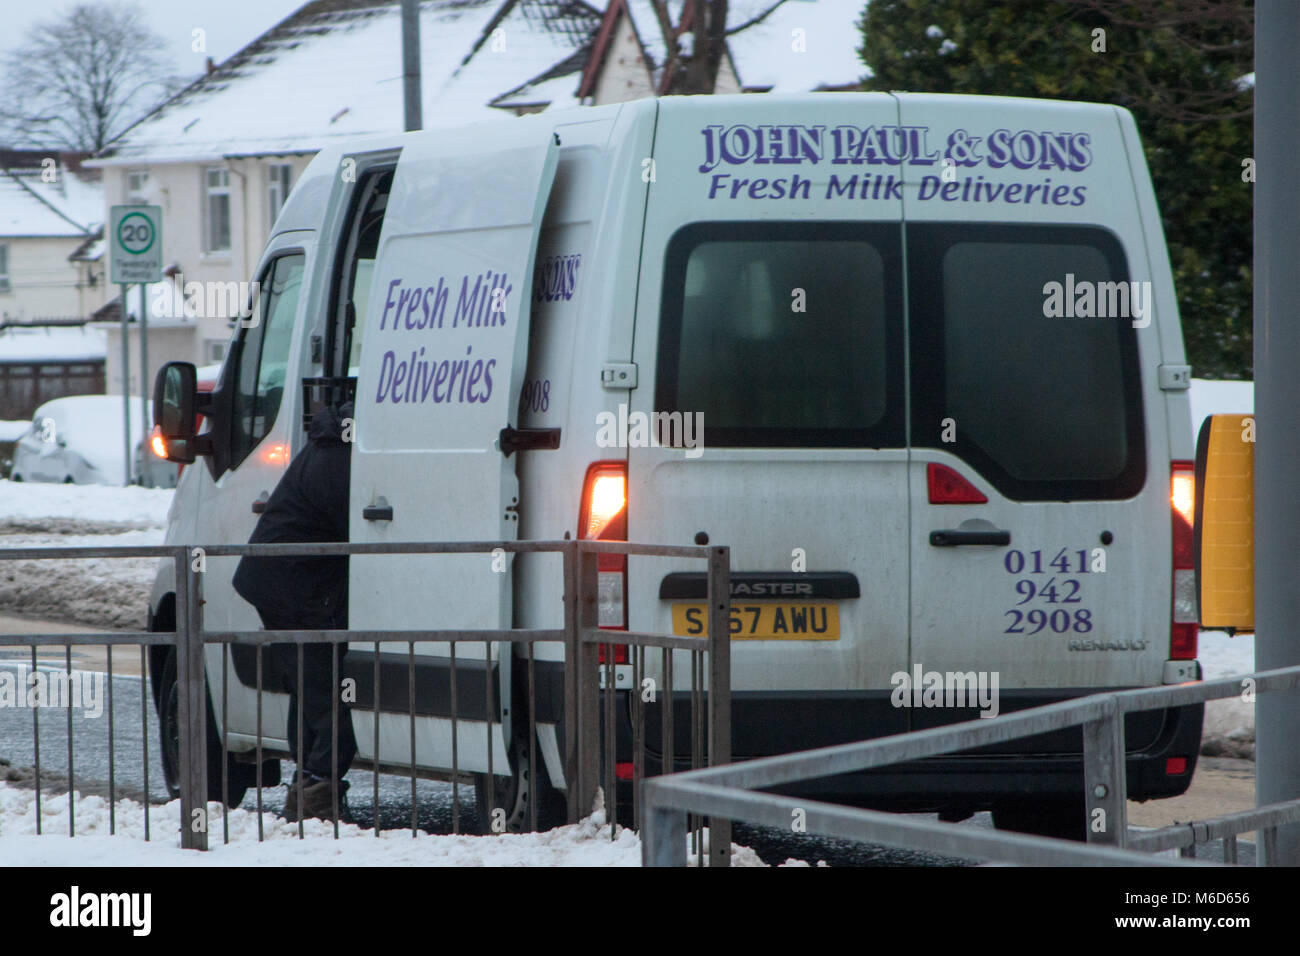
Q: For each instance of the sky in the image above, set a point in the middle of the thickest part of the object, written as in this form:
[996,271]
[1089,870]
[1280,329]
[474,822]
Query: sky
[227,24]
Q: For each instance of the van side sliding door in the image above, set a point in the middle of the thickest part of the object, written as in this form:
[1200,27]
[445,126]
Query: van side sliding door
[442,358]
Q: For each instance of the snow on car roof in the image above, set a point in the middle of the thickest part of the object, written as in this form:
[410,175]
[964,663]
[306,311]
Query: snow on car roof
[91,425]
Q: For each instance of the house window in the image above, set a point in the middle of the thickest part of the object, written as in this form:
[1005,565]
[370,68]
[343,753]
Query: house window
[217,349]
[137,186]
[278,179]
[216,209]
[4,267]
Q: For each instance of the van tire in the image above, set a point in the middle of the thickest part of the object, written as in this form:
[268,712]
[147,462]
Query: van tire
[511,794]
[1064,818]
[240,776]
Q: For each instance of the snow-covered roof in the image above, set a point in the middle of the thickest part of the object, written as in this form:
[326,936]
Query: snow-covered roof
[72,206]
[92,250]
[557,88]
[333,71]
[51,344]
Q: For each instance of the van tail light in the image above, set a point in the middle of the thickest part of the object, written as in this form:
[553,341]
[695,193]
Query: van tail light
[948,487]
[603,517]
[1183,618]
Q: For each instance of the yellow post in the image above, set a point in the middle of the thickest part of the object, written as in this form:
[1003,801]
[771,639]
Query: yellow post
[1225,522]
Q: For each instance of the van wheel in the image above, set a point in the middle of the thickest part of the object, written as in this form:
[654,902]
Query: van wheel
[1065,818]
[497,794]
[240,776]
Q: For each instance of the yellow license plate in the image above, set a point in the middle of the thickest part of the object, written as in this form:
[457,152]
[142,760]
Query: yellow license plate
[766,621]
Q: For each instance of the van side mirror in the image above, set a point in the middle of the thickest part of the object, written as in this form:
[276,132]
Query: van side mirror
[174,398]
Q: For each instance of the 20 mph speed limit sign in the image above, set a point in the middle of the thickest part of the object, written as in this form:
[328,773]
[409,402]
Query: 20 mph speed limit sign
[135,244]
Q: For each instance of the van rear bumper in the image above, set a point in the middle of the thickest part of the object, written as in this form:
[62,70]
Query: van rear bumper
[1044,766]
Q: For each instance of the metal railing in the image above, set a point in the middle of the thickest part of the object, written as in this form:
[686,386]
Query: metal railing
[732,791]
[589,753]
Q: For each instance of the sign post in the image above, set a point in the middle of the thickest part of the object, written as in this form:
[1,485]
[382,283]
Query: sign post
[135,256]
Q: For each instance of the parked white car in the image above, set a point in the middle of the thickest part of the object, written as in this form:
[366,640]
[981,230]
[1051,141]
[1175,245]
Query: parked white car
[76,440]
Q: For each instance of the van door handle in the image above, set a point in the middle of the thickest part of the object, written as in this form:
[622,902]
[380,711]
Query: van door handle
[259,506]
[377,512]
[954,538]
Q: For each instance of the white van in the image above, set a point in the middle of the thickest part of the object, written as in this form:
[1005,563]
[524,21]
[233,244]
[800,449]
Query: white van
[934,348]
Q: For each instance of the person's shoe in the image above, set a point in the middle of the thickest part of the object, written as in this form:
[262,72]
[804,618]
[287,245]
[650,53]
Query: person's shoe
[318,800]
[290,811]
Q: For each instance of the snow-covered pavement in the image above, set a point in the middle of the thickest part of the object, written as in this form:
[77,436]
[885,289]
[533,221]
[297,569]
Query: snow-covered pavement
[100,592]
[586,843]
[24,501]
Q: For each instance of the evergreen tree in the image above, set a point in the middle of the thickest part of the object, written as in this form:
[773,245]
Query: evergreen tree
[1177,65]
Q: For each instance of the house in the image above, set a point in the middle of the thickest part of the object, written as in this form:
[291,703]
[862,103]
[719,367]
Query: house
[221,156]
[51,279]
[51,210]
[793,46]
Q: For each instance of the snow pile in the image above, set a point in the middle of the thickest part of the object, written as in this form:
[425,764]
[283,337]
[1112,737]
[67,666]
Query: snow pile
[99,592]
[586,843]
[1229,728]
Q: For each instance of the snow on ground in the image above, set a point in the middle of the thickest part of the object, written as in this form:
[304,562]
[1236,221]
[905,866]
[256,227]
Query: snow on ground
[1224,656]
[99,592]
[586,843]
[144,507]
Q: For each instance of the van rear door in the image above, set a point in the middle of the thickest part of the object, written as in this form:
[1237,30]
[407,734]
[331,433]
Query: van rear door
[1033,387]
[770,311]
[441,365]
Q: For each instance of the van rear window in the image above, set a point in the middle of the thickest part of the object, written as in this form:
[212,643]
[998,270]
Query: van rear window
[781,333]
[1044,402]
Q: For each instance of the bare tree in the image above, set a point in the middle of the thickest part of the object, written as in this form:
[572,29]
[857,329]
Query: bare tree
[77,82]
[696,44]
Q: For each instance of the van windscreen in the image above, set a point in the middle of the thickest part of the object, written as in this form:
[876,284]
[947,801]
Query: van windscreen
[781,334]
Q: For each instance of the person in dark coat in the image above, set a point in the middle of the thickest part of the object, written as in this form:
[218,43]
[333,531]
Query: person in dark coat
[310,503]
